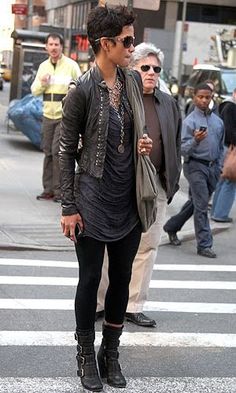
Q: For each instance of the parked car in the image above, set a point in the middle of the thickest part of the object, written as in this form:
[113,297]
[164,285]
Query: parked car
[5,72]
[163,86]
[171,83]
[224,79]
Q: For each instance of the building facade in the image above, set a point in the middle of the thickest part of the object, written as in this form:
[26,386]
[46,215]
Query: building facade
[35,14]
[176,34]
[6,27]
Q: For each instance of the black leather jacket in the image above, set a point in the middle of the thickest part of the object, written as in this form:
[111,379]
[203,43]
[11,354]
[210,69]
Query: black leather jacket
[85,108]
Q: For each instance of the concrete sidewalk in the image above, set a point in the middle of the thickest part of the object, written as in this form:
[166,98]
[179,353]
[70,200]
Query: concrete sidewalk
[26,223]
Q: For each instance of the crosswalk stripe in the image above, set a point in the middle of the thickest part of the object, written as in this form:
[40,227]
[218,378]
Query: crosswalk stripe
[74,265]
[134,385]
[189,284]
[159,339]
[71,281]
[40,280]
[39,263]
[68,305]
[139,339]
[191,307]
[195,268]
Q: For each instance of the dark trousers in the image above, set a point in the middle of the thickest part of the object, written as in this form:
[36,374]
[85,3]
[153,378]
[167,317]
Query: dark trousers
[202,182]
[50,146]
[90,254]
[175,223]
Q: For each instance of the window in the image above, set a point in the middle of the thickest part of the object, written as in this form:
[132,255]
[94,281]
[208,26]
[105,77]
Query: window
[208,13]
[60,16]
[79,16]
[228,80]
[39,10]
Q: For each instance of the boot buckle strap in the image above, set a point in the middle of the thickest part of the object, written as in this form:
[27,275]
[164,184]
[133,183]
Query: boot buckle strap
[80,372]
[82,360]
[81,363]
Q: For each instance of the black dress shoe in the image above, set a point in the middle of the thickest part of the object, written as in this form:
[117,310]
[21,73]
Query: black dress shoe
[99,315]
[206,252]
[138,318]
[174,240]
[45,196]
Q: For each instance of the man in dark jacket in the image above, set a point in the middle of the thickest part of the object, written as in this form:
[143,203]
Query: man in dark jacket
[163,120]
[225,190]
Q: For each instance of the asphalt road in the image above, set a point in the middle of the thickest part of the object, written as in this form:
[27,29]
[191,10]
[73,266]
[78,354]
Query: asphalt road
[193,299]
[193,348]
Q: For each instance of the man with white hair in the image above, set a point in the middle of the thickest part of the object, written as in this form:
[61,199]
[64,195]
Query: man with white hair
[163,120]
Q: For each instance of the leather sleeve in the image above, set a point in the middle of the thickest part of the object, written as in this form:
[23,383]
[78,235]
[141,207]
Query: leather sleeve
[72,124]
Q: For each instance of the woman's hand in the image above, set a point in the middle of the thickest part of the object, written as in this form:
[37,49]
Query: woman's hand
[68,224]
[144,145]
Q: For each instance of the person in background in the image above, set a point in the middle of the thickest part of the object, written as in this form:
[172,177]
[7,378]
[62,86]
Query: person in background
[213,107]
[202,148]
[224,195]
[99,202]
[175,223]
[163,121]
[52,81]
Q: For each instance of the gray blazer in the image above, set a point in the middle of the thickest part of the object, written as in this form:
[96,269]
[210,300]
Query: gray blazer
[170,122]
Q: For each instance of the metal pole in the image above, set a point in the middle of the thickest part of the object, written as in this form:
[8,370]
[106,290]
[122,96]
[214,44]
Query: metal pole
[30,15]
[182,40]
[69,30]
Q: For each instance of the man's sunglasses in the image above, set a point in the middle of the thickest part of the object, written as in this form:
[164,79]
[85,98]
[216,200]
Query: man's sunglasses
[147,67]
[126,41]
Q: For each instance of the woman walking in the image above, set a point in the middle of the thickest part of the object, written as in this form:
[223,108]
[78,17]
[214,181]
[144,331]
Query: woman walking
[99,205]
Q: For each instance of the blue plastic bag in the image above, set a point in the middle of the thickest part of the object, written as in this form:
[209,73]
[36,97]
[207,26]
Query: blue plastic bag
[27,115]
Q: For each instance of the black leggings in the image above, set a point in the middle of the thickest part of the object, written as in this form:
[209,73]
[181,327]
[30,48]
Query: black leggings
[90,254]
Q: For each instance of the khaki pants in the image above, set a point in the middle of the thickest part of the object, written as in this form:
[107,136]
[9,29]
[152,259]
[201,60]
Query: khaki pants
[50,146]
[143,262]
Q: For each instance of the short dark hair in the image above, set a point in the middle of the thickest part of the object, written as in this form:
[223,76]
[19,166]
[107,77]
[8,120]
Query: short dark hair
[55,36]
[202,86]
[107,22]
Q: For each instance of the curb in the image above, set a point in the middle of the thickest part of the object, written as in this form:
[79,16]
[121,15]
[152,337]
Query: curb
[190,234]
[25,247]
[184,236]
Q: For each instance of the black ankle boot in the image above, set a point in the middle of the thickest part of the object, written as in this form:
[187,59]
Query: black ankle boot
[87,368]
[108,355]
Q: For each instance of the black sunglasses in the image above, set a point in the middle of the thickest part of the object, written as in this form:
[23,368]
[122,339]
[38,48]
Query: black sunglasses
[126,41]
[147,67]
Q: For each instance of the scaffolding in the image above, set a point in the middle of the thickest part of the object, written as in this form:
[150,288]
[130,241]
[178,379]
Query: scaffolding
[225,47]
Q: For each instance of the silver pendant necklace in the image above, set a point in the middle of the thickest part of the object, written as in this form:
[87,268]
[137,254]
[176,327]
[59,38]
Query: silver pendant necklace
[115,101]
[121,116]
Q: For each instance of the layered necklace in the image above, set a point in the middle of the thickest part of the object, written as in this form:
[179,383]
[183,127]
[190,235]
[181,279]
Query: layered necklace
[115,95]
